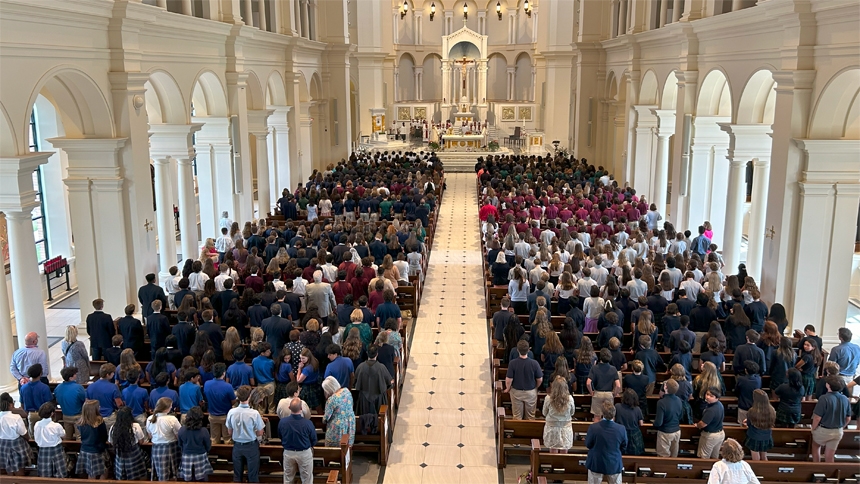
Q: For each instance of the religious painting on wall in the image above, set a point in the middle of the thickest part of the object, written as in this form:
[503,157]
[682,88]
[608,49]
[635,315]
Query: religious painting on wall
[420,114]
[508,113]
[526,113]
[403,114]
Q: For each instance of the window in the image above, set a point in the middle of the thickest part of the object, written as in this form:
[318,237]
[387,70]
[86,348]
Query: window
[40,232]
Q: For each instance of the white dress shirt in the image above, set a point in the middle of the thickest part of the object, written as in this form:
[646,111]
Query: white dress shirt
[224,243]
[165,429]
[11,426]
[219,280]
[48,433]
[724,472]
[196,280]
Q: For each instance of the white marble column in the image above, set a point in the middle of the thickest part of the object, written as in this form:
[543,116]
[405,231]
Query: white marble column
[758,212]
[18,202]
[665,130]
[737,5]
[189,237]
[261,6]
[482,82]
[6,341]
[512,72]
[279,140]
[396,84]
[248,14]
[664,10]
[212,146]
[258,128]
[446,82]
[186,8]
[676,10]
[164,218]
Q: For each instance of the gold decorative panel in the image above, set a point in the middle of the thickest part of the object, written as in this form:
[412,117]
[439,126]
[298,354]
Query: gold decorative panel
[403,114]
[508,114]
[525,113]
[420,113]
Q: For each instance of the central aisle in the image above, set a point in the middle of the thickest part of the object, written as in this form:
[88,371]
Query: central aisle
[444,428]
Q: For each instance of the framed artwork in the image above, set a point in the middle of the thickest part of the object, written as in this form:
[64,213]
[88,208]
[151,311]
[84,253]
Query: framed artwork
[404,114]
[508,113]
[420,113]
[526,113]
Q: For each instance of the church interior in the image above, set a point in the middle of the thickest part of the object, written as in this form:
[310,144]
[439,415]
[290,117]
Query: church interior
[131,130]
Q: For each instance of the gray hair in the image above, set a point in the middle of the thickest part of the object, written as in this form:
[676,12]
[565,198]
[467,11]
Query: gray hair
[330,385]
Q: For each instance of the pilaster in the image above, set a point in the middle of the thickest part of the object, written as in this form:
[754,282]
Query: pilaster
[258,128]
[238,105]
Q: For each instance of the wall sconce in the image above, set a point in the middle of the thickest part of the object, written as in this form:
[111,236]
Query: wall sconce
[527,8]
[404,9]
[432,10]
[465,11]
[499,9]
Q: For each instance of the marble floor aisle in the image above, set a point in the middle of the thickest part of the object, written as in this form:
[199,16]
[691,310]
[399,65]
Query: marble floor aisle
[444,427]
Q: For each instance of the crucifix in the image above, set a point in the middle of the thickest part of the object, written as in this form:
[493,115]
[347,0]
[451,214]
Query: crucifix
[148,226]
[463,63]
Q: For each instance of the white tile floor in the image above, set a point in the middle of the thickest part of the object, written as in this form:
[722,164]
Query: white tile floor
[444,430]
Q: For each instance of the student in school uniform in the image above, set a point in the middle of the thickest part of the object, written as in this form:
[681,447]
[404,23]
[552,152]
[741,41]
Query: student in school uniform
[745,385]
[264,375]
[70,395]
[104,390]
[164,429]
[240,373]
[194,442]
[126,435]
[48,435]
[712,435]
[219,398]
[33,394]
[94,436]
[136,398]
[190,393]
[245,425]
[638,382]
[14,450]
[113,353]
[161,390]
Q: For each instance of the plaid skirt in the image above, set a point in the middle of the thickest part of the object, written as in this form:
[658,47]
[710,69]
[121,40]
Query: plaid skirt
[786,417]
[687,415]
[130,467]
[14,454]
[312,394]
[165,460]
[280,392]
[51,462]
[195,467]
[758,445]
[90,463]
[635,442]
[808,384]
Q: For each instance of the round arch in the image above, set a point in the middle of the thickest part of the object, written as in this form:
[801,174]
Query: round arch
[715,95]
[8,142]
[254,91]
[276,93]
[669,98]
[837,110]
[304,94]
[209,97]
[315,89]
[164,100]
[757,101]
[611,86]
[79,101]
[648,93]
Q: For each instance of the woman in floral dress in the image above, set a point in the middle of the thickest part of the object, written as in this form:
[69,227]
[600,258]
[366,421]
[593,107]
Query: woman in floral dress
[339,415]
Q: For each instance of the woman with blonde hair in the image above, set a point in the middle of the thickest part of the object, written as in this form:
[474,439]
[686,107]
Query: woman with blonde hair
[732,469]
[257,337]
[208,252]
[707,378]
[75,354]
[645,327]
[230,343]
[558,410]
[127,362]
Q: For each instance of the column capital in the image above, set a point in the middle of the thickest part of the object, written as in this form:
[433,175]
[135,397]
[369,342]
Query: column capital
[16,181]
[816,189]
[748,141]
[91,157]
[129,81]
[833,161]
[257,122]
[172,140]
[686,77]
[847,189]
[787,81]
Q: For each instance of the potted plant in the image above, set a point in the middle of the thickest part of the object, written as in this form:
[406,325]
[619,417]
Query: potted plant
[434,146]
[493,145]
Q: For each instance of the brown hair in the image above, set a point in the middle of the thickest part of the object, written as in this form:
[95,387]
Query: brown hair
[90,414]
[732,451]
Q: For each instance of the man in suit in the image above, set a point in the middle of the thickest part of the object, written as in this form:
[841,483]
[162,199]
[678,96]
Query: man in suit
[276,328]
[185,333]
[214,332]
[131,330]
[101,329]
[157,327]
[320,293]
[340,249]
[605,440]
[378,249]
[225,296]
[148,293]
[183,291]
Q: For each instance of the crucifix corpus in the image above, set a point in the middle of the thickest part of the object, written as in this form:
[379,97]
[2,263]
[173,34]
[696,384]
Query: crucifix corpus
[463,64]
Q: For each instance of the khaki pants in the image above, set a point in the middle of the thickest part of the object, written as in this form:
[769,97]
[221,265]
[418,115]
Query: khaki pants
[742,415]
[597,402]
[698,345]
[827,438]
[595,478]
[709,444]
[303,461]
[667,444]
[110,420]
[70,425]
[33,417]
[268,392]
[218,427]
[523,403]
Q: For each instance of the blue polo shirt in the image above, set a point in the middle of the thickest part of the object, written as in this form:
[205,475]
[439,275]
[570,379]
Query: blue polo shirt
[239,374]
[190,395]
[341,369]
[134,398]
[70,396]
[158,393]
[387,310]
[106,393]
[264,370]
[219,397]
[847,355]
[34,394]
[205,375]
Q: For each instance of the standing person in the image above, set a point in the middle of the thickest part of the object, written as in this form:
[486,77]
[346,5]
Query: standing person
[70,395]
[339,415]
[75,354]
[164,429]
[732,468]
[264,375]
[190,393]
[745,385]
[148,293]
[605,440]
[372,381]
[603,382]
[846,354]
[94,436]
[24,358]
[126,437]
[308,376]
[759,422]
[101,329]
[558,410]
[629,415]
[106,393]
[194,444]
[523,378]
[668,419]
[831,415]
[48,435]
[219,398]
[808,362]
[298,436]
[157,327]
[712,435]
[131,330]
[185,332]
[14,449]
[245,425]
[136,398]
[33,395]
[339,367]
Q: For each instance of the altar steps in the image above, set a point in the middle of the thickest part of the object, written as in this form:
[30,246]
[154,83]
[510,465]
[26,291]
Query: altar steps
[463,161]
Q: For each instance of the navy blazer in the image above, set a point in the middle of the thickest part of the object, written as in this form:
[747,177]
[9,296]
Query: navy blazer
[179,296]
[132,335]
[149,293]
[101,329]
[158,328]
[185,334]
[605,440]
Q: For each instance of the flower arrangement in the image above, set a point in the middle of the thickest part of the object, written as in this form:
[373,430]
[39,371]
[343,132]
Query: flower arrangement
[493,145]
[434,146]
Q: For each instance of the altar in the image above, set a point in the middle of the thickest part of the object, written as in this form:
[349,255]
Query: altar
[463,142]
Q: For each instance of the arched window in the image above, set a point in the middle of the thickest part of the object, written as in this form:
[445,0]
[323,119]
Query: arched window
[40,229]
